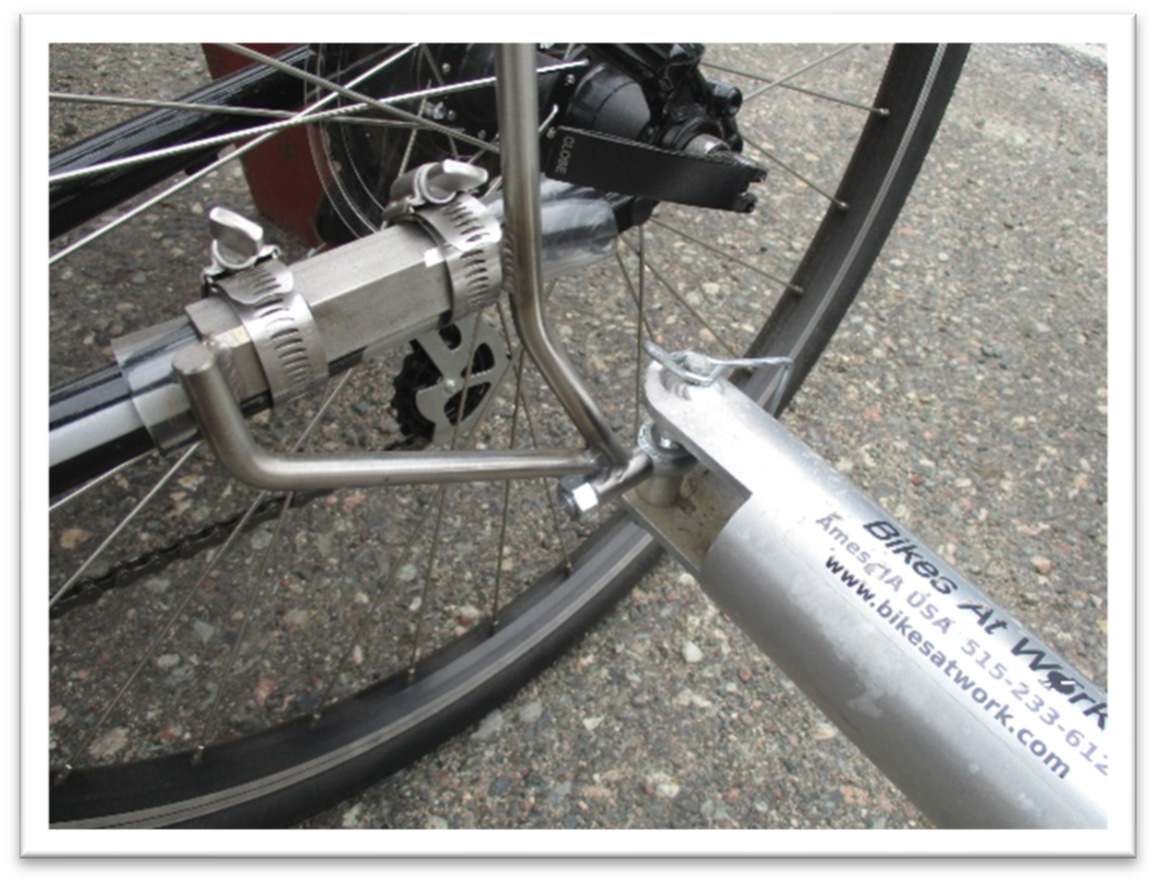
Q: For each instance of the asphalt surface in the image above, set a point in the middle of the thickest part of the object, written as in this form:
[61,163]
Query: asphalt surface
[966,391]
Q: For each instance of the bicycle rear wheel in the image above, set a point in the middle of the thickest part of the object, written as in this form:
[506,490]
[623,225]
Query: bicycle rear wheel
[287,772]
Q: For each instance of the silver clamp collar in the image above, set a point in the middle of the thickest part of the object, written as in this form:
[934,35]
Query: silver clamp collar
[435,196]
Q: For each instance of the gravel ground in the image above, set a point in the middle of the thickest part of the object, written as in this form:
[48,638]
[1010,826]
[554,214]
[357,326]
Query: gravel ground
[966,391]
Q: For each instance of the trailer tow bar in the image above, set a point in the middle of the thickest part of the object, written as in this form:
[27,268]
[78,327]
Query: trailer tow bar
[961,706]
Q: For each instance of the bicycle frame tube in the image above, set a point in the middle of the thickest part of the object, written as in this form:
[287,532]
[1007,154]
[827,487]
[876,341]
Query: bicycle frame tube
[967,711]
[72,203]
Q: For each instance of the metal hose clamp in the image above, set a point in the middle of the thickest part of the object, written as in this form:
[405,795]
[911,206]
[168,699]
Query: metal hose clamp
[469,238]
[280,325]
[436,197]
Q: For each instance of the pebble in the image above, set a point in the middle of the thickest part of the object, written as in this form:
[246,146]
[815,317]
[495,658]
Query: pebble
[596,792]
[691,653]
[824,731]
[530,713]
[687,698]
[468,615]
[109,744]
[167,662]
[592,722]
[489,727]
[296,618]
[352,816]
[204,631]
[1042,565]
[71,538]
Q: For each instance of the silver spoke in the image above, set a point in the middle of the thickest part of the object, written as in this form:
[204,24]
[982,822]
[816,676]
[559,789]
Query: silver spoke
[670,287]
[99,480]
[167,629]
[495,599]
[163,634]
[353,94]
[494,141]
[212,167]
[427,581]
[722,253]
[237,135]
[633,293]
[882,112]
[359,629]
[418,524]
[639,297]
[837,99]
[334,116]
[638,328]
[409,142]
[551,502]
[345,114]
[212,720]
[798,72]
[120,526]
[437,74]
[831,198]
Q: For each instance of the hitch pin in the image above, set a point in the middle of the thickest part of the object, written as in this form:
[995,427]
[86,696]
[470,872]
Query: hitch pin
[700,370]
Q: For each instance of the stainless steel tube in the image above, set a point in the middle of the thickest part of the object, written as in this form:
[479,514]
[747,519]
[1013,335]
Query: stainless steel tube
[964,708]
[222,423]
[522,243]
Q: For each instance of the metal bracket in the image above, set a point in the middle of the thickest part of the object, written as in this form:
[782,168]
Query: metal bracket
[198,368]
[453,364]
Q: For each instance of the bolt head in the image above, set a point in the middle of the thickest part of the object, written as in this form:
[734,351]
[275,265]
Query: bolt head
[452,385]
[577,495]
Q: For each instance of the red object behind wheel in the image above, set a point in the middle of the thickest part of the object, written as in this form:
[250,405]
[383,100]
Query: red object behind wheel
[280,172]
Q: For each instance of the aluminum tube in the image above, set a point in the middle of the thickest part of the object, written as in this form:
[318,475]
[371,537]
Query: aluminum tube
[217,413]
[963,707]
[522,242]
[897,686]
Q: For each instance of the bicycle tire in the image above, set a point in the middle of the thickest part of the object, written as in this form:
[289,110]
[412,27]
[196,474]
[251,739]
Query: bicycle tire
[287,773]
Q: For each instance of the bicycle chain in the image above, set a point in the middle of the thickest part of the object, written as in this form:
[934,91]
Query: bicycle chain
[128,571]
[131,570]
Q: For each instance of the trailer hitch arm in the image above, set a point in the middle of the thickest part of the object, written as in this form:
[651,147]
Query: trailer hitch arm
[962,707]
